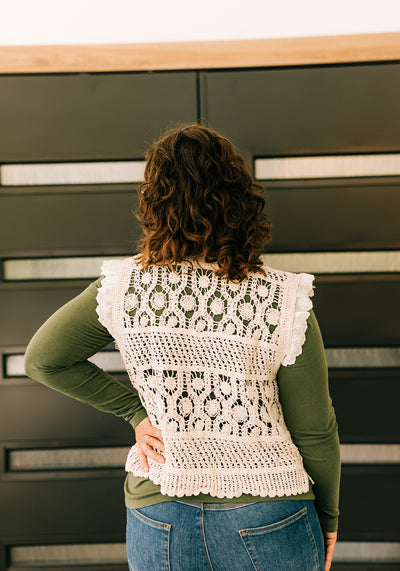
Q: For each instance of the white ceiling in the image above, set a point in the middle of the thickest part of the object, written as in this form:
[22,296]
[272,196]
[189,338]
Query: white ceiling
[44,22]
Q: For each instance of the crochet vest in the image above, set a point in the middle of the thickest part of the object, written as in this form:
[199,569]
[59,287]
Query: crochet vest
[203,354]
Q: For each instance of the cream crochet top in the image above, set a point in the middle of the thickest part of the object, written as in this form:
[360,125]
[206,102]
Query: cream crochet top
[203,354]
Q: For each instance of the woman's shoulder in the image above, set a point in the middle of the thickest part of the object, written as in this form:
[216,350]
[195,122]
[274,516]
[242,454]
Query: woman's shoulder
[111,266]
[303,279]
[110,269]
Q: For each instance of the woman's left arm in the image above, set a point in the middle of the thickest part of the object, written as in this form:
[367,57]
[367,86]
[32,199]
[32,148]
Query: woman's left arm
[57,357]
[310,418]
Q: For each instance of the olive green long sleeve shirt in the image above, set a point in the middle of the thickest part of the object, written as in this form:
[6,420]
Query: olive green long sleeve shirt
[57,357]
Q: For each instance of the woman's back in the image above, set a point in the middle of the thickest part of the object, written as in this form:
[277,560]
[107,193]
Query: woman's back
[203,353]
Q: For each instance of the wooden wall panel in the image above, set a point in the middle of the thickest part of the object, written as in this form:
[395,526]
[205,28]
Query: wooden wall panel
[364,516]
[31,412]
[306,111]
[366,404]
[374,421]
[83,117]
[365,566]
[92,506]
[65,509]
[334,215]
[89,222]
[339,306]
[25,307]
[357,312]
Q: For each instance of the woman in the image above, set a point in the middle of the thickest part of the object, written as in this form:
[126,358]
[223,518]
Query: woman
[236,462]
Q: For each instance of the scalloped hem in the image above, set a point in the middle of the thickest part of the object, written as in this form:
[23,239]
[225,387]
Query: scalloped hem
[265,484]
[286,480]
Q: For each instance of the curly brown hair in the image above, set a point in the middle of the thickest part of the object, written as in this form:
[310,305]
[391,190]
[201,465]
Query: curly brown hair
[199,202]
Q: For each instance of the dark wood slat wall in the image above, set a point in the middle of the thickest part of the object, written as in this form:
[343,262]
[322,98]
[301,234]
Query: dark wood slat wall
[348,316]
[333,302]
[313,110]
[335,215]
[82,231]
[306,111]
[90,116]
[375,420]
[352,208]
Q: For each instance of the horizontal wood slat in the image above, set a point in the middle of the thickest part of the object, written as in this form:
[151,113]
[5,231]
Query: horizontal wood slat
[88,267]
[316,110]
[92,506]
[337,358]
[309,225]
[72,173]
[200,55]
[65,459]
[344,310]
[111,553]
[90,117]
[29,411]
[364,516]
[331,166]
[55,555]
[44,414]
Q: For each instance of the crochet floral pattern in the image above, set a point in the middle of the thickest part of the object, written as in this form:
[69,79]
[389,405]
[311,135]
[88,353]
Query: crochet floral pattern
[203,354]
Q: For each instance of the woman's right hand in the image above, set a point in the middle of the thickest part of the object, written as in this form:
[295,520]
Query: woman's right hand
[330,542]
[149,440]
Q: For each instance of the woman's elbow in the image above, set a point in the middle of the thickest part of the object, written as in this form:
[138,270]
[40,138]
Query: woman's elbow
[30,363]
[35,365]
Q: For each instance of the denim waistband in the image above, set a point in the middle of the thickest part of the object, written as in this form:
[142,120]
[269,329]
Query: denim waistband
[216,506]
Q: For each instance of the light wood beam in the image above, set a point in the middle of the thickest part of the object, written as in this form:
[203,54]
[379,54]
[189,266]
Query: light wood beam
[200,55]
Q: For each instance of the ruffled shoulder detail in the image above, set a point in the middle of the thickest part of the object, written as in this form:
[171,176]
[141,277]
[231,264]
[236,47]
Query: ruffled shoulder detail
[302,309]
[109,270]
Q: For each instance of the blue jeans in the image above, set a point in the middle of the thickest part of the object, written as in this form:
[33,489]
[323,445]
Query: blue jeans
[277,535]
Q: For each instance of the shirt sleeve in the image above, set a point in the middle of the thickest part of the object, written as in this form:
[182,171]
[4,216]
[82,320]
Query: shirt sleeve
[58,353]
[310,418]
